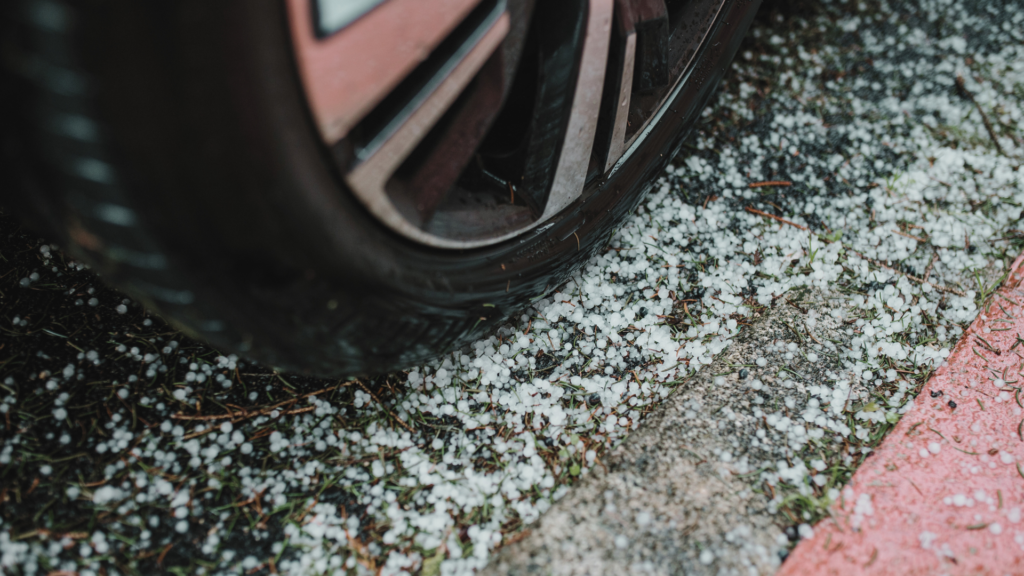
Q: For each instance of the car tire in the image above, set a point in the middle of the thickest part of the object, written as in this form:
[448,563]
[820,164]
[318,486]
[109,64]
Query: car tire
[174,147]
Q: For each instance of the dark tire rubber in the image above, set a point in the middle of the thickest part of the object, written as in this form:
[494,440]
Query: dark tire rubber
[169,145]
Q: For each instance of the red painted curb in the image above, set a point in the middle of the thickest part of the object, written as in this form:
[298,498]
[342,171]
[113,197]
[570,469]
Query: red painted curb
[944,493]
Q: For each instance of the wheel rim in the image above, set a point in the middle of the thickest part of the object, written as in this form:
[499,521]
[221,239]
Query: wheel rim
[479,120]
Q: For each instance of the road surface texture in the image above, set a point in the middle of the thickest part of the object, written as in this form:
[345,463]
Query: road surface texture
[677,495]
[848,203]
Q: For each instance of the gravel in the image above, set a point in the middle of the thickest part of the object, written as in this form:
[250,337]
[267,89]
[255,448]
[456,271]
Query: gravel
[897,128]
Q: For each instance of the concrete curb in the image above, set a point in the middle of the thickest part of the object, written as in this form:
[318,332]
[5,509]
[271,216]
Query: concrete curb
[944,493]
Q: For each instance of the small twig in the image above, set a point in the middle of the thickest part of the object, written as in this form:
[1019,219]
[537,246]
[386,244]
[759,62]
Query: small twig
[928,270]
[770,183]
[386,409]
[160,559]
[793,330]
[905,235]
[515,538]
[984,117]
[985,344]
[773,217]
[795,305]
[1012,234]
[935,287]
[235,417]
[946,184]
[199,433]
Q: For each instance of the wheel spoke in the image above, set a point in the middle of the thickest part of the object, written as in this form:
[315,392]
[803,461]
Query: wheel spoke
[650,18]
[381,157]
[574,160]
[643,32]
[425,184]
[390,41]
[623,88]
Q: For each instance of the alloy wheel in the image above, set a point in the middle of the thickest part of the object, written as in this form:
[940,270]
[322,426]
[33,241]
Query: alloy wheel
[464,123]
